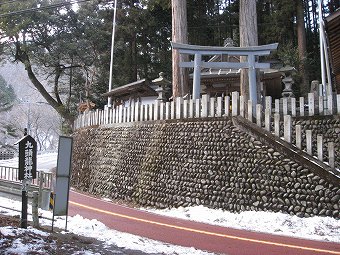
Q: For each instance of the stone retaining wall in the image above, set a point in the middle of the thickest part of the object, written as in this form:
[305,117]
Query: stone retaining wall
[200,162]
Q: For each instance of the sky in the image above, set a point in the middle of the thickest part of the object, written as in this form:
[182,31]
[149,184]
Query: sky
[315,228]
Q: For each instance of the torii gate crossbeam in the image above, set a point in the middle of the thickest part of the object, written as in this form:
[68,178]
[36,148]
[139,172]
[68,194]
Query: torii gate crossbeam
[199,51]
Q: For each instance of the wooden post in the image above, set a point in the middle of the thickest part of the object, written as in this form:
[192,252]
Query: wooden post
[161,110]
[167,110]
[146,112]
[35,214]
[109,120]
[277,105]
[212,107]
[151,106]
[259,115]
[302,106]
[197,108]
[321,105]
[227,105]
[204,106]
[287,120]
[185,109]
[267,119]
[293,106]
[120,112]
[172,110]
[128,114]
[242,106]
[331,158]
[330,105]
[319,143]
[219,107]
[298,140]
[250,110]
[124,114]
[311,104]
[191,108]
[156,111]
[285,105]
[268,103]
[117,114]
[137,111]
[179,107]
[41,183]
[277,124]
[132,111]
[309,141]
[234,103]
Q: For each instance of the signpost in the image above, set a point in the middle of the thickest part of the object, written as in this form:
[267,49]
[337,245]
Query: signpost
[27,170]
[63,174]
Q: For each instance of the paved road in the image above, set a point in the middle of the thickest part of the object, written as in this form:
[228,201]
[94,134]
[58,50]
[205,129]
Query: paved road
[193,234]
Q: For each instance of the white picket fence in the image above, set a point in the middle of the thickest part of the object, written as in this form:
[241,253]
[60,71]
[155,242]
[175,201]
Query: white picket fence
[266,115]
[211,107]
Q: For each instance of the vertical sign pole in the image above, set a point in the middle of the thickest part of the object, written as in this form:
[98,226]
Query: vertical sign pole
[63,177]
[23,198]
[24,205]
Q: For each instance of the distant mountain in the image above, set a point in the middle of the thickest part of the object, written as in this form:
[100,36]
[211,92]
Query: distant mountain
[15,74]
[29,110]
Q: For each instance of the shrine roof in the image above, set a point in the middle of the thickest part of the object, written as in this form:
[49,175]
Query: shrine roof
[333,33]
[138,88]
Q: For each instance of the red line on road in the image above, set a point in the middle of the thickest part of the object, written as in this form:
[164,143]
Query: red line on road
[206,232]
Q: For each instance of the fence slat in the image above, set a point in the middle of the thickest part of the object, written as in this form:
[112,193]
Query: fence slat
[302,106]
[204,103]
[298,138]
[227,105]
[311,104]
[309,141]
[235,103]
[179,107]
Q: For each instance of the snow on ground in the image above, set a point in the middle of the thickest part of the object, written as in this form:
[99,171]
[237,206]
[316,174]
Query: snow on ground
[91,228]
[317,228]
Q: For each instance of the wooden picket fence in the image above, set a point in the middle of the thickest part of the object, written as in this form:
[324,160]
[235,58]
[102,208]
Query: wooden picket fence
[268,115]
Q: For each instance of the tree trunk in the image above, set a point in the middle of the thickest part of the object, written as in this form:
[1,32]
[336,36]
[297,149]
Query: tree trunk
[248,37]
[180,76]
[57,105]
[302,47]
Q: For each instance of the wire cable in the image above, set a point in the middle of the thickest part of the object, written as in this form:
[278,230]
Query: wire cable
[51,6]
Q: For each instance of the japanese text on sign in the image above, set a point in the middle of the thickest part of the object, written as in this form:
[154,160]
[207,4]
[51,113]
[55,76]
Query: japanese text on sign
[28,160]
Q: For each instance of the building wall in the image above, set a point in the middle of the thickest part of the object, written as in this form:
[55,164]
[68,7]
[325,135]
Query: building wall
[196,162]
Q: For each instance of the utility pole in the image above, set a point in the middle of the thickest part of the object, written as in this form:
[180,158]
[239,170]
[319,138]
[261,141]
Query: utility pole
[109,99]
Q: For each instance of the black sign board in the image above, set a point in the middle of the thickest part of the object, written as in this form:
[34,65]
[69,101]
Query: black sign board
[27,158]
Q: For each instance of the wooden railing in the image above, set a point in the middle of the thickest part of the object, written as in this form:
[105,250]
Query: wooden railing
[272,115]
[11,174]
[6,155]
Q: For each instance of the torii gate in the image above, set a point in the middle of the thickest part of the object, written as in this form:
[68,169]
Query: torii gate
[199,51]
